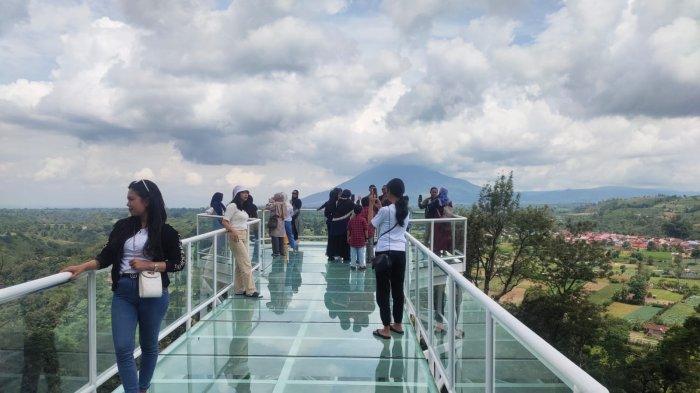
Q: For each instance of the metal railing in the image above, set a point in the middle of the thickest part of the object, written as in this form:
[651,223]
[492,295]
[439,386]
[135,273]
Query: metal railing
[202,252]
[511,355]
[479,346]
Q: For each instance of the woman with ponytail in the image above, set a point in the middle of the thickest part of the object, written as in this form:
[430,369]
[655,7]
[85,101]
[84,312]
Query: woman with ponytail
[391,222]
[141,242]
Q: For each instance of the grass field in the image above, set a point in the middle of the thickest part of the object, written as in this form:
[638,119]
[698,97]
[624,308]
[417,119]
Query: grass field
[642,314]
[657,255]
[621,310]
[605,294]
[692,301]
[688,281]
[677,314]
[663,294]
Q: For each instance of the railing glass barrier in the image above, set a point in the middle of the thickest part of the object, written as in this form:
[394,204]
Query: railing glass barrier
[57,336]
[475,344]
[56,333]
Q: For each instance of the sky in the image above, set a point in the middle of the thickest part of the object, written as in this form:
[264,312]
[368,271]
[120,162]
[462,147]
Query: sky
[201,95]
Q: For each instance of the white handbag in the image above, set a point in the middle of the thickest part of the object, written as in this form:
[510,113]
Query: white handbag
[150,284]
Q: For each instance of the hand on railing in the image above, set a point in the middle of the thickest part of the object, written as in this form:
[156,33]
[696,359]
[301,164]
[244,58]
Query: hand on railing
[77,270]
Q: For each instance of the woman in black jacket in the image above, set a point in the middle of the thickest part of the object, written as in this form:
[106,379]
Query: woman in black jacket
[141,242]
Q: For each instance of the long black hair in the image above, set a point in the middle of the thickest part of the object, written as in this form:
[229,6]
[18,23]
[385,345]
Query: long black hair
[218,204]
[149,191]
[238,201]
[397,189]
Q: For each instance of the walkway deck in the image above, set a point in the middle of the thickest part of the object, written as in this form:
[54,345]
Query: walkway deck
[311,332]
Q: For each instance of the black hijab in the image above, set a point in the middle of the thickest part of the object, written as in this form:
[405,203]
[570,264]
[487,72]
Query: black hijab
[217,204]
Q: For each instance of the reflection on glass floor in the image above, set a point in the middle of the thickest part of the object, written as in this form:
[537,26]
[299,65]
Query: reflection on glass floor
[311,332]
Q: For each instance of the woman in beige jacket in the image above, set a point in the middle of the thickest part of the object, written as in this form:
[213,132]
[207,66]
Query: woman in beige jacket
[278,209]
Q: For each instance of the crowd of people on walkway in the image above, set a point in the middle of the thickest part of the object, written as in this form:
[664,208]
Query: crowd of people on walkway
[143,249]
[359,229]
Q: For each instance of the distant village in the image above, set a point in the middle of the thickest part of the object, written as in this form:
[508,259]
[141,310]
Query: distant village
[620,242]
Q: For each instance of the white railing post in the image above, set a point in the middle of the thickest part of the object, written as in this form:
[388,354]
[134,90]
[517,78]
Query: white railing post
[188,324]
[260,244]
[216,280]
[92,328]
[432,235]
[431,303]
[454,236]
[451,331]
[489,358]
[464,246]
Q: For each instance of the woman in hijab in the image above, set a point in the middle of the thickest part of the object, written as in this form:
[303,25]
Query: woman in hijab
[441,206]
[218,208]
[328,207]
[337,233]
[277,208]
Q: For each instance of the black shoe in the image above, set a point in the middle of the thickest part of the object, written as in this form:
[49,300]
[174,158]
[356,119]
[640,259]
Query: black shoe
[254,295]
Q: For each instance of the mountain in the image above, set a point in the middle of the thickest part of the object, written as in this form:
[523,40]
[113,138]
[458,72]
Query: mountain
[419,179]
[589,195]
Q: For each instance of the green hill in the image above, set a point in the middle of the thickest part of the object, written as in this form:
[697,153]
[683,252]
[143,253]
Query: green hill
[660,216]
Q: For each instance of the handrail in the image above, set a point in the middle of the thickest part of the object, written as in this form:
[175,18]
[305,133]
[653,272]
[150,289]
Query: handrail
[26,288]
[554,360]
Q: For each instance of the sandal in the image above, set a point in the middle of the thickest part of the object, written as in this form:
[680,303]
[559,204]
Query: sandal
[377,334]
[393,329]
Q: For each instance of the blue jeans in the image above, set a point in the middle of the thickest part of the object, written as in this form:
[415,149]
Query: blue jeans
[290,235]
[128,309]
[357,256]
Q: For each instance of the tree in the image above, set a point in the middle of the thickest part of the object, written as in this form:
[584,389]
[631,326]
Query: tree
[531,228]
[672,366]
[678,228]
[490,217]
[575,326]
[566,266]
[651,246]
[638,286]
[695,254]
[578,227]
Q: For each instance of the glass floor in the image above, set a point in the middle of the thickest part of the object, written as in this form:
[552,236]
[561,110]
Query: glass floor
[311,332]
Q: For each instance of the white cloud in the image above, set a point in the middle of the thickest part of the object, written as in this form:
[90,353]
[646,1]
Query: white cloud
[304,94]
[54,168]
[24,93]
[145,173]
[238,176]
[677,49]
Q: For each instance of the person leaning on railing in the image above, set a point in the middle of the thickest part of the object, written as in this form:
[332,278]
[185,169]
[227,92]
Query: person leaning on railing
[235,221]
[141,242]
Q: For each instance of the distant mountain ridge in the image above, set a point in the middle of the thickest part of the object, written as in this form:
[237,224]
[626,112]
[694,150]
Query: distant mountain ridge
[419,179]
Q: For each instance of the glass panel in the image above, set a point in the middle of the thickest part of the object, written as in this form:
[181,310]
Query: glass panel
[423,309]
[105,346]
[469,343]
[517,370]
[202,271]
[440,314]
[43,340]
[312,331]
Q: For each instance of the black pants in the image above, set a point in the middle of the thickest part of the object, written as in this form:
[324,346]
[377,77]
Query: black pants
[277,245]
[295,228]
[391,282]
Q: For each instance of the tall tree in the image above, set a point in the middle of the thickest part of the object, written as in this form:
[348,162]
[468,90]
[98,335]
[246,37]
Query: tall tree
[567,265]
[529,231]
[493,213]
